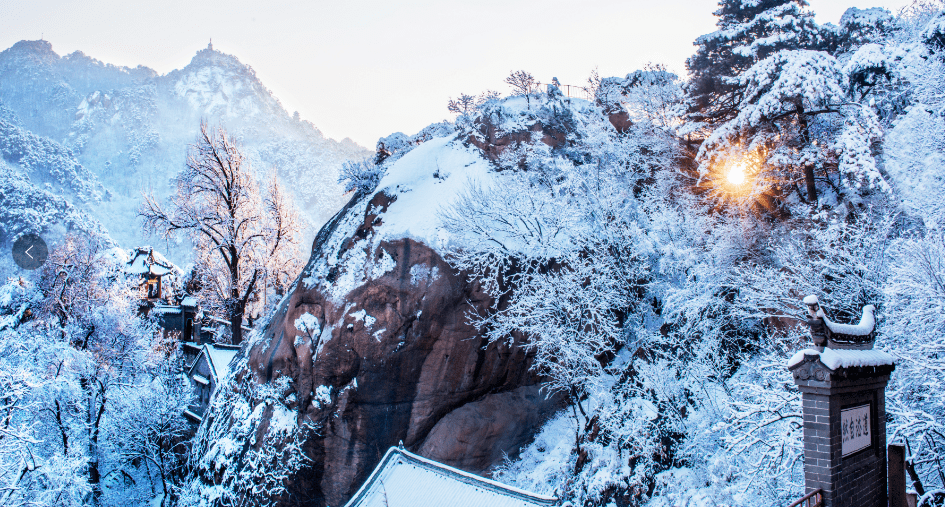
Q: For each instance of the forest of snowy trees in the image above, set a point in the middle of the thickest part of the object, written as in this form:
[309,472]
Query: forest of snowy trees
[654,266]
[657,272]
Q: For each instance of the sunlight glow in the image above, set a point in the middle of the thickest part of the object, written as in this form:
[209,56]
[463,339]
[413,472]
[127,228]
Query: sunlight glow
[736,175]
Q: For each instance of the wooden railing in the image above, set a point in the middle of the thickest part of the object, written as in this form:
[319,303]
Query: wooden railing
[813,499]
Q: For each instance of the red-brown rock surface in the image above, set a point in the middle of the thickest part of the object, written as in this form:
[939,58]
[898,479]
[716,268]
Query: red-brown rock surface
[394,359]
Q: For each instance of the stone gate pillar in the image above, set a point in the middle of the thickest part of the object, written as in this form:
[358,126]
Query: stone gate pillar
[843,387]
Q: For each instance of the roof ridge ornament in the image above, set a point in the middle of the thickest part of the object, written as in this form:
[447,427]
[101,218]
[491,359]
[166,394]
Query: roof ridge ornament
[826,333]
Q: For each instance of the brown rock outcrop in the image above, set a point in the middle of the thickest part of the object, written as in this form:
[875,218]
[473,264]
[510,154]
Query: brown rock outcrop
[620,120]
[478,435]
[493,141]
[393,360]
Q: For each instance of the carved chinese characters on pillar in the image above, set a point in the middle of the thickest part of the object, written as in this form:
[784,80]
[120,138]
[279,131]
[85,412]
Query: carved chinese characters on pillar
[855,429]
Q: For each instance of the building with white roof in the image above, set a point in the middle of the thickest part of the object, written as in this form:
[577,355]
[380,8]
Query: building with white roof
[406,479]
[152,267]
[205,374]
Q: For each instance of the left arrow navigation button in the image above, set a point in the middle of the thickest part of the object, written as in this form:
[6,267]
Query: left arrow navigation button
[30,251]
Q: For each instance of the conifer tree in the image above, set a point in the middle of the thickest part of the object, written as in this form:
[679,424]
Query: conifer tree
[748,32]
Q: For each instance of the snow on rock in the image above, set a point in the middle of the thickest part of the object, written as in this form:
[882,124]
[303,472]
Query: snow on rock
[407,204]
[307,323]
[425,180]
[422,272]
[377,334]
[322,396]
[363,315]
[844,358]
[384,265]
[282,419]
[381,261]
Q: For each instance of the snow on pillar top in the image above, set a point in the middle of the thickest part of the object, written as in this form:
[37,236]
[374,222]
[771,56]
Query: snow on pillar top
[841,345]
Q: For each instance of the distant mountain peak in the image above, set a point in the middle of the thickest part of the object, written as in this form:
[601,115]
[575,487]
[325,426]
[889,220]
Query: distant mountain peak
[39,51]
[34,46]
[210,56]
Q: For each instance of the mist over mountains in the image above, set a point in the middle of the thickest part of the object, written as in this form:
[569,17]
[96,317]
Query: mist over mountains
[81,140]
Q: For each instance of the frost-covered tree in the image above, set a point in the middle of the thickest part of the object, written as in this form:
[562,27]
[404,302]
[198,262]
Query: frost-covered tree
[559,243]
[748,32]
[75,355]
[245,238]
[793,122]
[360,175]
[463,104]
[522,83]
[914,303]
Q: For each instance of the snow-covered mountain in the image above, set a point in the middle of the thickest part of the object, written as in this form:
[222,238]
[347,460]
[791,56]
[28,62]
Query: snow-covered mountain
[98,136]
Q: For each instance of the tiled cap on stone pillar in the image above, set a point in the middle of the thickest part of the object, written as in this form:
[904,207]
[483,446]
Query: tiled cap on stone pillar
[843,386]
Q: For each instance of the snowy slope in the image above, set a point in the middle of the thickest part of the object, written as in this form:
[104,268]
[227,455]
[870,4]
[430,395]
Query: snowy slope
[425,180]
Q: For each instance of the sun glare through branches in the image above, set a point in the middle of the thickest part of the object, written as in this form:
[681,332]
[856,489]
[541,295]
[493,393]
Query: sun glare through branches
[736,174]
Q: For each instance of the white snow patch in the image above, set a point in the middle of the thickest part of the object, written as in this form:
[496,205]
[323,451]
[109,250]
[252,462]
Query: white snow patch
[865,327]
[383,265]
[363,315]
[377,334]
[283,420]
[307,323]
[350,267]
[322,396]
[322,340]
[221,451]
[647,408]
[351,385]
[422,272]
[844,358]
[420,195]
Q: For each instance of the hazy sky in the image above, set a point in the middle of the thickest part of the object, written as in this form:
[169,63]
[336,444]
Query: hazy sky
[366,68]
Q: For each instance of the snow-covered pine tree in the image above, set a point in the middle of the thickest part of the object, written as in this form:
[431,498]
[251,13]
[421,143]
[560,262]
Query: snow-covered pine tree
[796,125]
[749,31]
[780,95]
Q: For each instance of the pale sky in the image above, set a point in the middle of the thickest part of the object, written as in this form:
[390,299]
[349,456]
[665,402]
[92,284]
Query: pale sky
[367,68]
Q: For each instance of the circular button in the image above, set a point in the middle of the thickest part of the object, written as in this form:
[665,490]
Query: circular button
[30,251]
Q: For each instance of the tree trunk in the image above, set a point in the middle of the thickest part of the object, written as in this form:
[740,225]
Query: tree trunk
[236,306]
[805,140]
[94,421]
[236,322]
[811,187]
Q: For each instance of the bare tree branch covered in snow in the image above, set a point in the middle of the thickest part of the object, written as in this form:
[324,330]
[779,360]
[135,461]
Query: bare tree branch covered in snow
[522,83]
[246,241]
[360,175]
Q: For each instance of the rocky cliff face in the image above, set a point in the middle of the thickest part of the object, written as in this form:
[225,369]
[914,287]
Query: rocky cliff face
[373,348]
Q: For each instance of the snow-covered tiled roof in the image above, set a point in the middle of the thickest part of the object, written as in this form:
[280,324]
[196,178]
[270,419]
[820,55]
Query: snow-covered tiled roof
[145,260]
[220,357]
[844,358]
[166,309]
[193,416]
[404,478]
